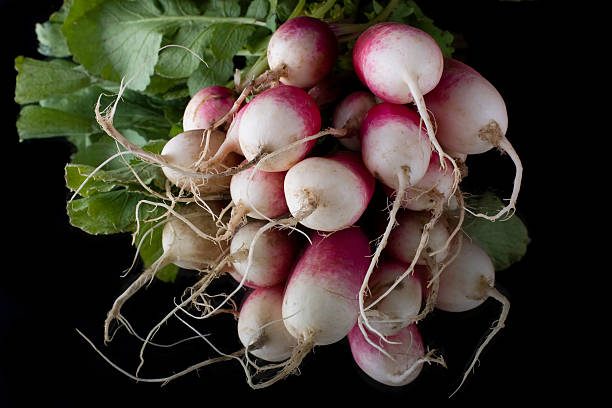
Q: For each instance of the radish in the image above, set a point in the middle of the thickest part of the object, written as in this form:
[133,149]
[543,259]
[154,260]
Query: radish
[471,118]
[349,114]
[185,151]
[257,194]
[272,120]
[305,49]
[187,243]
[320,300]
[398,153]
[274,253]
[400,64]
[432,191]
[407,352]
[465,284]
[206,107]
[328,193]
[396,311]
[260,325]
[405,238]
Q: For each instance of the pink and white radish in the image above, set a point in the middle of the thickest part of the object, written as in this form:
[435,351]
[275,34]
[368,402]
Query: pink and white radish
[402,305]
[273,255]
[349,115]
[305,49]
[256,194]
[328,193]
[400,64]
[206,107]
[471,118]
[406,351]
[185,150]
[188,242]
[465,284]
[260,325]
[273,120]
[320,301]
[397,152]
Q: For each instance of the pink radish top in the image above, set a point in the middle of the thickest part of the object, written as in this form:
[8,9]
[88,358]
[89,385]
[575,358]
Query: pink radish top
[275,118]
[308,48]
[207,106]
[465,104]
[322,291]
[392,138]
[386,54]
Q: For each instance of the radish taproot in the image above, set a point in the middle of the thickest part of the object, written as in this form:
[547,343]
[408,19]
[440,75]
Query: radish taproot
[465,284]
[187,241]
[471,118]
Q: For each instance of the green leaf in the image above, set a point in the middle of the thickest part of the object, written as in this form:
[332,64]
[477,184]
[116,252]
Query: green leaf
[258,9]
[40,122]
[223,8]
[228,39]
[217,72]
[51,41]
[504,241]
[175,62]
[106,213]
[150,238]
[37,80]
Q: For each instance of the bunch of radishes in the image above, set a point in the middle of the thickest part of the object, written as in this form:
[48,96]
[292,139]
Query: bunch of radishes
[296,235]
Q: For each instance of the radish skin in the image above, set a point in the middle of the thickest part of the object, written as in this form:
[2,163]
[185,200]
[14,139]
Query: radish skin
[206,107]
[320,300]
[328,193]
[304,46]
[396,311]
[407,352]
[400,64]
[273,255]
[260,325]
[471,118]
[349,115]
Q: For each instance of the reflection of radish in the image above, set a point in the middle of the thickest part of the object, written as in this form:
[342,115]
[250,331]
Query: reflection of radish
[261,327]
[466,283]
[471,118]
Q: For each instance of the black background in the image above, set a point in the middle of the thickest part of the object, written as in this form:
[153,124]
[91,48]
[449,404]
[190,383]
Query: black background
[64,279]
